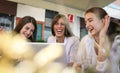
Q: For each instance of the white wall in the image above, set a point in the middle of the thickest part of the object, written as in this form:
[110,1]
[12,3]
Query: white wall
[76,26]
[51,6]
[37,13]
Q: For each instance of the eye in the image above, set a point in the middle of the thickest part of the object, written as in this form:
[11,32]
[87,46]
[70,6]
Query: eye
[56,24]
[90,20]
[27,28]
[32,31]
[62,24]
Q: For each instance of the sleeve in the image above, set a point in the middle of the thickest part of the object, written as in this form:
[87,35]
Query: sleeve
[50,39]
[81,53]
[74,49]
[103,66]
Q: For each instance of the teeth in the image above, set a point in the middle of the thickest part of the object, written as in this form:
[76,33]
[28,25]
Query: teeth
[90,29]
[59,30]
[25,35]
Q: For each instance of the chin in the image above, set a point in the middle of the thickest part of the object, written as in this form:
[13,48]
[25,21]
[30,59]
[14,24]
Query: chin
[24,37]
[93,34]
[59,36]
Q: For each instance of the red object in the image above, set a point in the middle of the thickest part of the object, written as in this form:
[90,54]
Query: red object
[70,18]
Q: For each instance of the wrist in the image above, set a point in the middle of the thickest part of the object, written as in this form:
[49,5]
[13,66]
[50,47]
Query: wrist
[102,55]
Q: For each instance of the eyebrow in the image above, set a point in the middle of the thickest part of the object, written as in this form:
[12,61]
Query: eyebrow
[88,19]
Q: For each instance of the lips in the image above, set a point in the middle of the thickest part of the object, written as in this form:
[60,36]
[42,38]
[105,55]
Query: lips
[90,29]
[26,35]
[59,31]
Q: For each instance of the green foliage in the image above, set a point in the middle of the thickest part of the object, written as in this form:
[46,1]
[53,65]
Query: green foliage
[90,70]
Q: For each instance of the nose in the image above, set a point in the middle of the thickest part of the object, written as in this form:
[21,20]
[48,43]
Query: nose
[87,25]
[59,25]
[28,32]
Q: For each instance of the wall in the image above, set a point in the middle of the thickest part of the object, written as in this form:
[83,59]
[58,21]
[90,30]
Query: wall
[38,13]
[51,6]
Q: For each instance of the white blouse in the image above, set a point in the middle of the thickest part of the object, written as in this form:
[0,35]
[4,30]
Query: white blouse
[87,56]
[71,46]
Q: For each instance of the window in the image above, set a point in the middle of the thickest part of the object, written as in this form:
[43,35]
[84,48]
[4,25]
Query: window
[7,21]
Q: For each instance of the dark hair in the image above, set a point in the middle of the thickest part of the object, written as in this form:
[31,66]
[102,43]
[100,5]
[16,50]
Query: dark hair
[24,21]
[99,12]
[112,30]
[68,32]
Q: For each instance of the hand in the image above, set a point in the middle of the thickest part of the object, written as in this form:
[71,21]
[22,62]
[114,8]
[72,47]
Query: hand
[102,54]
[78,68]
[104,30]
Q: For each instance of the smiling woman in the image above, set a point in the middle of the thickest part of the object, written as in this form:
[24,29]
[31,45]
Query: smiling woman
[61,33]
[27,28]
[94,47]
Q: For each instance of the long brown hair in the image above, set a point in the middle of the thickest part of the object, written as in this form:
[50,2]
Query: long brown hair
[99,12]
[24,21]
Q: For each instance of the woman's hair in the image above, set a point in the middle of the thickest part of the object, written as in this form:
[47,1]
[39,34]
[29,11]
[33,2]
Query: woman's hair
[24,21]
[68,32]
[112,30]
[99,12]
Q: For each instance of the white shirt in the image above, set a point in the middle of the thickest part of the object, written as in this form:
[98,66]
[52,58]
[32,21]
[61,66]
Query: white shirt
[87,56]
[71,46]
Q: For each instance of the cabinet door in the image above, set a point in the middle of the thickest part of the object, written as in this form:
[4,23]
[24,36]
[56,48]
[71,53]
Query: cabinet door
[39,33]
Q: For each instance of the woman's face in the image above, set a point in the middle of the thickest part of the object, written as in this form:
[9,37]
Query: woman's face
[93,23]
[59,28]
[27,30]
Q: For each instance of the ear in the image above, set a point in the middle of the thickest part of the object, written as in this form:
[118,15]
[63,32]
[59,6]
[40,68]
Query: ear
[103,21]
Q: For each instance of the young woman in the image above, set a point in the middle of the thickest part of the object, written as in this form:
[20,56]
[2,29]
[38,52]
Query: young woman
[27,28]
[94,47]
[61,33]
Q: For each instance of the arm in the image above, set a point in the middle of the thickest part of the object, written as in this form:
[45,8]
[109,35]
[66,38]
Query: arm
[82,53]
[103,47]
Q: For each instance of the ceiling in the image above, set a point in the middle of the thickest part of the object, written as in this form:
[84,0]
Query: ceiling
[82,4]
[111,6]
[76,4]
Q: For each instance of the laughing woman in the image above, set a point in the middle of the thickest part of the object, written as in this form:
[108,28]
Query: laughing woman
[27,28]
[61,33]
[94,47]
